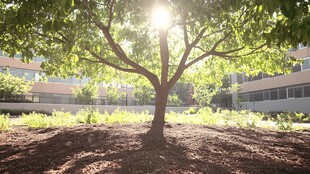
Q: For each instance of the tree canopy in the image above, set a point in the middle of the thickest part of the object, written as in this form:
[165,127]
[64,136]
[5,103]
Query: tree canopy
[97,37]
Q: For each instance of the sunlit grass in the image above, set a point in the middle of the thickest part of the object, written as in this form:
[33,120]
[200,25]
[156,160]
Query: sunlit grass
[204,116]
[4,122]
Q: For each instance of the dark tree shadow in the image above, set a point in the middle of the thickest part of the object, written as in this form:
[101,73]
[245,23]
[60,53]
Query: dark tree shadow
[124,149]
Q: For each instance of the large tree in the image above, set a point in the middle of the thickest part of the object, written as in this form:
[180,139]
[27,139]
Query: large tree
[158,40]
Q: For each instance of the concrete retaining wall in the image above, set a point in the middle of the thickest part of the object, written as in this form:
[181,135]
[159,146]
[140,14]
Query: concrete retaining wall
[74,108]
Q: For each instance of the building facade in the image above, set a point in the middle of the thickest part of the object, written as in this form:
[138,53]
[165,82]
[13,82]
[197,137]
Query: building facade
[59,91]
[55,90]
[279,92]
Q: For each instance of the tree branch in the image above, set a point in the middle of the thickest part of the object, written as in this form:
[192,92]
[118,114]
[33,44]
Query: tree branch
[182,66]
[220,41]
[185,30]
[198,59]
[111,13]
[103,61]
[118,50]
[254,50]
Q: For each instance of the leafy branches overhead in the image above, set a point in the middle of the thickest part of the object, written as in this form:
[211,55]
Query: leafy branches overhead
[119,34]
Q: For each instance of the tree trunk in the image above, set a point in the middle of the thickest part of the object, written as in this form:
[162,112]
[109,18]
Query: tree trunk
[159,117]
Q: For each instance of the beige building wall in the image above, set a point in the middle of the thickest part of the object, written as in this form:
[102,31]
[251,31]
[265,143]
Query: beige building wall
[276,82]
[16,63]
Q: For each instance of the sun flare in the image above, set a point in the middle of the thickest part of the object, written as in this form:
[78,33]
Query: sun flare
[161,18]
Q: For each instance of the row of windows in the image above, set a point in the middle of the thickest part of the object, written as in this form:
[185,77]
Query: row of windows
[241,78]
[19,56]
[35,76]
[299,91]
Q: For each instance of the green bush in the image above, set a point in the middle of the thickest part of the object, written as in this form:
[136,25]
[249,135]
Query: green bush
[191,110]
[120,116]
[89,116]
[35,120]
[58,118]
[284,121]
[4,122]
[203,116]
[242,119]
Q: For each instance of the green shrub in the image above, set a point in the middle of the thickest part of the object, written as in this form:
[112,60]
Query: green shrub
[58,118]
[284,121]
[306,118]
[4,122]
[241,119]
[191,110]
[121,116]
[89,116]
[205,111]
[35,120]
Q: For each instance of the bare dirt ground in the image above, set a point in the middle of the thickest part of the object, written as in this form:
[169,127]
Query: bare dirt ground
[126,149]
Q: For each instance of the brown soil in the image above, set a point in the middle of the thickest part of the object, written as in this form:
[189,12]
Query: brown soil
[126,149]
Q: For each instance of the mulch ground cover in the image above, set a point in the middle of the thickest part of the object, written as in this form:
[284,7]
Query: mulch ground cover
[127,149]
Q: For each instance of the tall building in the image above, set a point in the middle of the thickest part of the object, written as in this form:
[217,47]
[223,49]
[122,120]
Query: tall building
[56,90]
[279,92]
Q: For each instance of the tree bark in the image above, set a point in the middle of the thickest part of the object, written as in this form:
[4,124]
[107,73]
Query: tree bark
[158,122]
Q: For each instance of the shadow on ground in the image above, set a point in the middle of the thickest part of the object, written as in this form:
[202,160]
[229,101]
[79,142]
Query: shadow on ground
[185,149]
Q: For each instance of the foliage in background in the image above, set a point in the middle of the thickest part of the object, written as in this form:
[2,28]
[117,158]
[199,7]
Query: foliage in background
[86,94]
[58,118]
[191,110]
[173,100]
[90,116]
[4,122]
[284,121]
[11,87]
[112,95]
[144,94]
[182,90]
[203,94]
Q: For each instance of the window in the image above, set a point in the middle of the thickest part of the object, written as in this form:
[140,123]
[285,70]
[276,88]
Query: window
[307,91]
[290,92]
[18,56]
[266,95]
[29,75]
[245,78]
[257,77]
[298,92]
[259,96]
[16,72]
[239,78]
[296,68]
[252,97]
[265,75]
[306,64]
[282,93]
[274,94]
[246,97]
